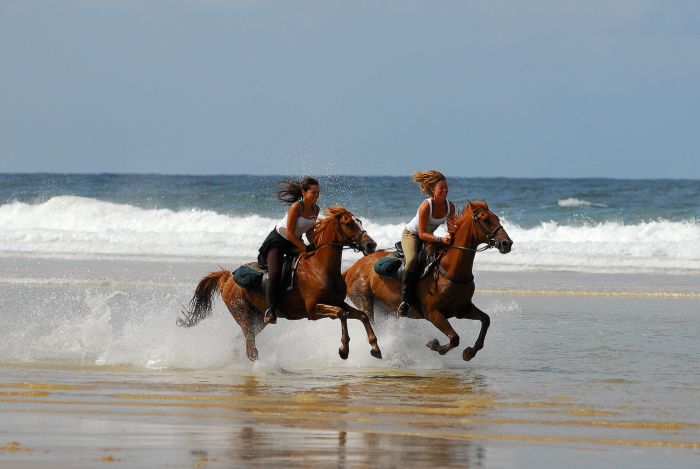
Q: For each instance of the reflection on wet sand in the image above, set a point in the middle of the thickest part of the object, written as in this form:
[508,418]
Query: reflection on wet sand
[391,418]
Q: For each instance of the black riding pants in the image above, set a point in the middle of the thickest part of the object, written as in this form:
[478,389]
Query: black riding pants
[274,277]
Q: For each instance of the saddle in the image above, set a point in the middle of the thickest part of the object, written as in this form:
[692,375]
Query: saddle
[254,278]
[392,266]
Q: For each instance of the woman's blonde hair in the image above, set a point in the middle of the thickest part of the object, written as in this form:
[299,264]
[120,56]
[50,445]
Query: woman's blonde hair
[428,179]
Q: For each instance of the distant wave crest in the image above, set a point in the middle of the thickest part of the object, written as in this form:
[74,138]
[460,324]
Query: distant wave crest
[573,202]
[77,226]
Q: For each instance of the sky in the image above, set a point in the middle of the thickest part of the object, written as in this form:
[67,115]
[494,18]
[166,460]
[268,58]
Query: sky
[511,88]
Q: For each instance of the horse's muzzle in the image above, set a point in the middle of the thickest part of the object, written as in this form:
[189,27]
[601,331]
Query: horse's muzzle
[504,245]
[368,245]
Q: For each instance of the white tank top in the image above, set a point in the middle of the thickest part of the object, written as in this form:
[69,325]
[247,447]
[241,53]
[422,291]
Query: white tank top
[303,225]
[433,223]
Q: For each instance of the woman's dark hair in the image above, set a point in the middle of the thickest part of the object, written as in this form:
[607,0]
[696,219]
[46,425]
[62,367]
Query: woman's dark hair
[290,190]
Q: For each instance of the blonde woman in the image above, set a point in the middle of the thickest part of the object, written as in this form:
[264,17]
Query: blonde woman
[432,213]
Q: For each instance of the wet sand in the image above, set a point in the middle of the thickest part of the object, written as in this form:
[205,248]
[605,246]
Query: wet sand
[63,417]
[578,371]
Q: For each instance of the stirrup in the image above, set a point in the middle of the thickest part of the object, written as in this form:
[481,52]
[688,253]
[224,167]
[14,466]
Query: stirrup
[403,308]
[270,316]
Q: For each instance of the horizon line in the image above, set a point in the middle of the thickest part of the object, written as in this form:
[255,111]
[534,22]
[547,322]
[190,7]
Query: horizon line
[127,173]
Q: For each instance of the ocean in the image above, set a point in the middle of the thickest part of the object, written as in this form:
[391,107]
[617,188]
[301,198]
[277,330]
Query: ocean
[592,356]
[580,225]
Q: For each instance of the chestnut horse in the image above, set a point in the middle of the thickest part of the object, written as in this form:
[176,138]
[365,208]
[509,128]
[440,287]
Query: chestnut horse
[448,290]
[318,291]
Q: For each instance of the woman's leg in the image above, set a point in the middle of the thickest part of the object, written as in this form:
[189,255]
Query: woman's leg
[411,245]
[274,273]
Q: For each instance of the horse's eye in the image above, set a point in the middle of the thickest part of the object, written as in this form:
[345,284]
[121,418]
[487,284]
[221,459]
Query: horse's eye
[352,224]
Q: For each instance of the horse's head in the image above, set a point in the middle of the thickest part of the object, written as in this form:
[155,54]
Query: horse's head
[341,227]
[488,226]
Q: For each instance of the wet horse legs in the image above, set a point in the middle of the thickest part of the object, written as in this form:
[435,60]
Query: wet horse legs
[344,349]
[251,324]
[476,314]
[343,313]
[438,320]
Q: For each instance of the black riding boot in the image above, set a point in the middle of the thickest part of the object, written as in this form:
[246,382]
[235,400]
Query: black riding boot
[271,294]
[407,290]
[270,313]
[272,289]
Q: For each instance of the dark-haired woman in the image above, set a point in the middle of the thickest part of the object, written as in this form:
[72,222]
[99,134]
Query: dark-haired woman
[285,237]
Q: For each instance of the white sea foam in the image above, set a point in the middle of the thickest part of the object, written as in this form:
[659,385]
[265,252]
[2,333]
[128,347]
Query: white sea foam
[70,226]
[137,328]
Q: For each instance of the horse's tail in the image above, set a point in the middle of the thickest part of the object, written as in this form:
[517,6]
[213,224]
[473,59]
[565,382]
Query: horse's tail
[201,302]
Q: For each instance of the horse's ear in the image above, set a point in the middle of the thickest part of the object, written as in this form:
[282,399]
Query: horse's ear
[483,201]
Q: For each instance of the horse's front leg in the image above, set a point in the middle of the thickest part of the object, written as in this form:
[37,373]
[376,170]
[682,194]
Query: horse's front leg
[371,336]
[345,312]
[440,321]
[477,315]
[344,349]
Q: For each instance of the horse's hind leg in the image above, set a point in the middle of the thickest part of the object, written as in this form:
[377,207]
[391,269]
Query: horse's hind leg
[344,349]
[438,320]
[251,324]
[476,314]
[361,295]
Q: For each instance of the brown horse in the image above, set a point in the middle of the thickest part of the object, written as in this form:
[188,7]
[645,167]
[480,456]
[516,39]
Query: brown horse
[448,290]
[318,292]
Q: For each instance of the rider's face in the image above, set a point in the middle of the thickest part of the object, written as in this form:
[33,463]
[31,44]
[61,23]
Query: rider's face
[440,190]
[311,195]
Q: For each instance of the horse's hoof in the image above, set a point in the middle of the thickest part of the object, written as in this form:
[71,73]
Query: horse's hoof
[433,345]
[468,354]
[343,354]
[270,317]
[376,353]
[253,356]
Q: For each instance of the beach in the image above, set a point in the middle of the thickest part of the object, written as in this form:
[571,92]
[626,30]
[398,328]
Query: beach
[591,358]
[579,369]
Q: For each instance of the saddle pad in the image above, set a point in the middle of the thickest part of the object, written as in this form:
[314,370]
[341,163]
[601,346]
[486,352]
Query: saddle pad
[249,276]
[387,266]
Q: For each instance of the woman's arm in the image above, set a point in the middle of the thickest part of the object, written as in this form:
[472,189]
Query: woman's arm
[423,214]
[292,216]
[310,232]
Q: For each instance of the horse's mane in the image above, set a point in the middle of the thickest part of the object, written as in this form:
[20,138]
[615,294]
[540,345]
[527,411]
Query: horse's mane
[455,221]
[331,214]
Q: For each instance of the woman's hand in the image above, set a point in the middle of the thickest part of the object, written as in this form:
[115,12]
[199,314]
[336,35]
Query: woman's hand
[447,239]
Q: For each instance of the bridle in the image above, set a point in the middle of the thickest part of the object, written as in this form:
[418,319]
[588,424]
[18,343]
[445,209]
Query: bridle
[490,237]
[353,242]
[490,243]
[348,242]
